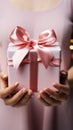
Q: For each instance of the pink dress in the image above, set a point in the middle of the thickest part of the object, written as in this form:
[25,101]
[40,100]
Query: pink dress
[35,116]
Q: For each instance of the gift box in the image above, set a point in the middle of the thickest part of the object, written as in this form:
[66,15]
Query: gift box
[35,64]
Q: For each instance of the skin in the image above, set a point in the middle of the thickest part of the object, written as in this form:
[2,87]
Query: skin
[47,96]
[35,5]
[50,97]
[7,93]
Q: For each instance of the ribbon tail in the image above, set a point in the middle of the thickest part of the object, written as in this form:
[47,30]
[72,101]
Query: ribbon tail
[19,56]
[45,56]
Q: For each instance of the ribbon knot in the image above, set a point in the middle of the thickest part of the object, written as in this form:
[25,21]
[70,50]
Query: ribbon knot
[21,38]
[32,43]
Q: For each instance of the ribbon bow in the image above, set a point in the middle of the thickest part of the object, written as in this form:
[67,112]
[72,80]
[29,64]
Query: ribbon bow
[21,38]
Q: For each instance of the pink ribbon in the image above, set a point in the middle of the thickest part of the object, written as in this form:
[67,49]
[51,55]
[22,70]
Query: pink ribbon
[21,39]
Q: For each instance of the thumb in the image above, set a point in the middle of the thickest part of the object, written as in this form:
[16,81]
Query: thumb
[3,80]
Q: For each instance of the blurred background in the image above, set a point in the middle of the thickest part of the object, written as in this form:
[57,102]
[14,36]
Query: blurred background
[71,49]
[70,72]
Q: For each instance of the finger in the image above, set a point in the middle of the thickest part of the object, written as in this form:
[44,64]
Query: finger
[56,95]
[14,99]
[44,102]
[62,88]
[49,99]
[63,76]
[50,92]
[62,96]
[24,100]
[7,91]
[4,75]
[4,81]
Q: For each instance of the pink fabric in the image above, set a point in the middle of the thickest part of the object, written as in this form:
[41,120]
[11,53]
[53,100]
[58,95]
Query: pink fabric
[60,19]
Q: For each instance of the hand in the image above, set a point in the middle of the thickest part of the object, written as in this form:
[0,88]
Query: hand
[51,97]
[12,98]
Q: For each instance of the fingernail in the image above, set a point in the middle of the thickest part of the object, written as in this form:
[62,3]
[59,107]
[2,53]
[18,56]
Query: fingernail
[44,89]
[38,96]
[55,84]
[16,84]
[30,92]
[24,91]
[5,76]
[41,91]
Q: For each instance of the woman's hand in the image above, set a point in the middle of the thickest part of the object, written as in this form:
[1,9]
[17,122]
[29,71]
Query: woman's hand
[10,97]
[51,97]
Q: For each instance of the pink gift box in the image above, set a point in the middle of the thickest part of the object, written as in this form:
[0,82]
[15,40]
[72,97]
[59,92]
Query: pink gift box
[31,73]
[35,64]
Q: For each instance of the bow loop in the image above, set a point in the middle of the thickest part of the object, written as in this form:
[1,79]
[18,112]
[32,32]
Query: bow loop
[47,38]
[19,36]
